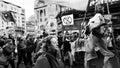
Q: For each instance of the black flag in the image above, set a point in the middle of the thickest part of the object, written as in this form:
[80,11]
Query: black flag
[8,16]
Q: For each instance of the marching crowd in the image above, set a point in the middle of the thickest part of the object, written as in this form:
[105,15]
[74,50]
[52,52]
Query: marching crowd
[51,51]
[48,50]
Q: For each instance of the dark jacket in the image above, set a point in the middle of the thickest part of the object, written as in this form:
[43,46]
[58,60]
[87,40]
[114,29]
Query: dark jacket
[30,46]
[60,41]
[48,61]
[21,46]
[8,51]
[67,46]
[2,42]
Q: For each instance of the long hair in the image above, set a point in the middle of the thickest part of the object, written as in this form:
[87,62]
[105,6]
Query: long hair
[49,47]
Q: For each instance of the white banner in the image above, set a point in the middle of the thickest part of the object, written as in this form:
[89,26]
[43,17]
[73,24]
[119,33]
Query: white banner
[67,20]
[52,24]
[108,17]
[75,4]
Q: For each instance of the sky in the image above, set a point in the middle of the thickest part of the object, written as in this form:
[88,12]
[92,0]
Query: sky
[28,5]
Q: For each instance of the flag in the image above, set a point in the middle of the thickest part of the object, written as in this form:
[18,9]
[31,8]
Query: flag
[75,4]
[8,16]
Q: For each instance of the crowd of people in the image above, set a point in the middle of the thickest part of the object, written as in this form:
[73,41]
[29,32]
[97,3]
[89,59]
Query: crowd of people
[52,51]
[16,49]
[33,50]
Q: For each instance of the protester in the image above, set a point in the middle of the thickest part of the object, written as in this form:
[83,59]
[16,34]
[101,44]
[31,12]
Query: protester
[95,41]
[8,50]
[30,47]
[50,58]
[38,43]
[73,40]
[60,40]
[66,45]
[21,47]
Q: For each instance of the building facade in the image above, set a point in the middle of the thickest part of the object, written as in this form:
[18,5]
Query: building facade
[18,12]
[45,14]
[31,25]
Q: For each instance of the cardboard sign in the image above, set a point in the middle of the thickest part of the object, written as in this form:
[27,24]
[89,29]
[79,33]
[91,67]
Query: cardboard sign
[68,20]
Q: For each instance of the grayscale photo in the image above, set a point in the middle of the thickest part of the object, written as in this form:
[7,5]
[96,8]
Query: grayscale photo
[59,33]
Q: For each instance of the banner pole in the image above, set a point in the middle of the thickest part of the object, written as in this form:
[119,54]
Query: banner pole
[114,44]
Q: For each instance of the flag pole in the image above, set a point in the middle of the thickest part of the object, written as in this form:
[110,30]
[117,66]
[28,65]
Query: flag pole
[114,44]
[85,15]
[108,10]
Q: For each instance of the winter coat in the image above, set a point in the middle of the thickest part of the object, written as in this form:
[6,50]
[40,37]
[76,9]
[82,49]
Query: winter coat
[21,46]
[30,46]
[48,61]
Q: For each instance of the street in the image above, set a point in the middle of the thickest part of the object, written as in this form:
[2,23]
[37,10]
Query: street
[97,63]
[51,31]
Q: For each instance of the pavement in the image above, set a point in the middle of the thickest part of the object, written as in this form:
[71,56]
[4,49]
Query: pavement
[96,63]
[21,66]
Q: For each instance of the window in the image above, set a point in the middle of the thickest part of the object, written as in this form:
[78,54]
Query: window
[23,18]
[23,21]
[37,14]
[18,17]
[15,9]
[11,8]
[12,24]
[40,19]
[2,26]
[56,7]
[23,24]
[2,23]
[1,5]
[44,12]
[18,20]
[5,6]
[41,12]
[45,19]
[23,11]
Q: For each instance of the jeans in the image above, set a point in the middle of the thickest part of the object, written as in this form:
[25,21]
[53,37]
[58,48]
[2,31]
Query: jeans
[21,56]
[29,58]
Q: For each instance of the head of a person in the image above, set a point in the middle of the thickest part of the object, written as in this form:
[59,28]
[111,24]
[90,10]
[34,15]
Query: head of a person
[5,38]
[99,8]
[9,41]
[51,45]
[31,38]
[10,35]
[75,36]
[41,36]
[99,11]
[60,34]
[51,41]
[54,42]
[21,39]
